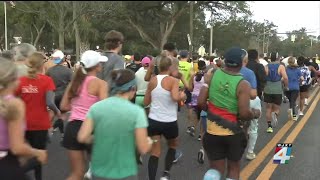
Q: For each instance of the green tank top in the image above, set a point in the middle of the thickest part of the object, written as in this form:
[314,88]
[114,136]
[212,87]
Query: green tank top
[185,69]
[223,90]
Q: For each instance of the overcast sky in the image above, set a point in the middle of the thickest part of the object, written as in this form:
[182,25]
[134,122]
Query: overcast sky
[288,16]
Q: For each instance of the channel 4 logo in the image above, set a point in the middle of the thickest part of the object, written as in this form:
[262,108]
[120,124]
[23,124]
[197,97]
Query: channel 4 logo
[282,153]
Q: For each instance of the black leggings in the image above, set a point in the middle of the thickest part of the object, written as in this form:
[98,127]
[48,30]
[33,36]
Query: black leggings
[37,139]
[292,96]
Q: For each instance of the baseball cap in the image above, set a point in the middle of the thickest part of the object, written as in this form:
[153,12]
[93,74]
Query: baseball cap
[92,58]
[146,60]
[234,57]
[184,53]
[57,56]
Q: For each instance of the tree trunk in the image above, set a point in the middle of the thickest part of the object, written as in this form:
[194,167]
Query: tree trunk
[76,29]
[191,27]
[61,30]
[61,40]
[31,35]
[84,46]
[39,33]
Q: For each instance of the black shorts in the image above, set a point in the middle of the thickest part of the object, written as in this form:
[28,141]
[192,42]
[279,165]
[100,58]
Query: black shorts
[273,98]
[188,95]
[304,88]
[169,130]
[37,139]
[10,168]
[57,102]
[70,140]
[224,147]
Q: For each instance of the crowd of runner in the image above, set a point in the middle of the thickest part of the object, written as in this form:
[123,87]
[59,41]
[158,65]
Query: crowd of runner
[222,95]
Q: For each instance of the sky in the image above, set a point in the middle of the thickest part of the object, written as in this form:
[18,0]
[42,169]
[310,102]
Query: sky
[288,15]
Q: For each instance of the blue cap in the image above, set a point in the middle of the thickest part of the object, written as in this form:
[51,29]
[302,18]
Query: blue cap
[234,57]
[57,61]
[184,53]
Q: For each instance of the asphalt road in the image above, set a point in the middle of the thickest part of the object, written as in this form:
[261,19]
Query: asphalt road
[304,165]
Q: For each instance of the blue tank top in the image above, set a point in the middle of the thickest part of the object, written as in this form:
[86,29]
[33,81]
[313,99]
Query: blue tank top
[273,74]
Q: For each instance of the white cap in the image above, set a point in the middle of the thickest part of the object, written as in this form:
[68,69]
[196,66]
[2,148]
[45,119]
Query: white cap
[58,54]
[92,58]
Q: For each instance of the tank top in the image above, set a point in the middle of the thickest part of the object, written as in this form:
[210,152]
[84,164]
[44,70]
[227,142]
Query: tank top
[4,134]
[223,104]
[197,85]
[163,108]
[306,73]
[80,105]
[273,84]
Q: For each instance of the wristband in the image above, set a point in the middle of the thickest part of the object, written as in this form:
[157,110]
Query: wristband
[205,85]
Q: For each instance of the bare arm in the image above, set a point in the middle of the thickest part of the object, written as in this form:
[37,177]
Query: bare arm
[191,83]
[85,132]
[284,76]
[253,94]
[176,95]
[204,91]
[147,96]
[103,92]
[65,102]
[245,113]
[142,142]
[18,146]
[149,73]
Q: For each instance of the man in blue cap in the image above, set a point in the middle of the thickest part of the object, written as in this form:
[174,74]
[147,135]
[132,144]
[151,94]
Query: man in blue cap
[228,103]
[61,76]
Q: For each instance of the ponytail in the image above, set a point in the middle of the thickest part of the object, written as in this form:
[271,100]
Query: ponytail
[77,80]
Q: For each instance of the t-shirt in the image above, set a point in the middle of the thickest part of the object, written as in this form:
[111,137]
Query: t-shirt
[294,75]
[114,62]
[263,62]
[115,120]
[61,76]
[306,73]
[185,69]
[33,93]
[249,76]
[141,83]
[134,67]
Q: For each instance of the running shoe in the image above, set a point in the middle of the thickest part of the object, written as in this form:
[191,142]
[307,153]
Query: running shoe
[269,130]
[199,138]
[251,156]
[274,119]
[165,176]
[301,113]
[88,175]
[177,156]
[285,99]
[191,131]
[295,118]
[201,156]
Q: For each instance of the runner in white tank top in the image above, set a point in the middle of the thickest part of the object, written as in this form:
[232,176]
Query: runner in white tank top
[163,94]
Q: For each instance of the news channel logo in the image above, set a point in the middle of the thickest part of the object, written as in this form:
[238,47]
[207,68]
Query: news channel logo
[282,153]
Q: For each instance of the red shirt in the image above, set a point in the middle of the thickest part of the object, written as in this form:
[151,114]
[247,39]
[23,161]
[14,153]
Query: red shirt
[33,93]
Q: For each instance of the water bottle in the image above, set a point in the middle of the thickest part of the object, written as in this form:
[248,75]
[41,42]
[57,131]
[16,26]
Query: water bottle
[212,174]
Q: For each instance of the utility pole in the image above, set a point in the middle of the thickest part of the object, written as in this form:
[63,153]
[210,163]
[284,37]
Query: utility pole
[191,27]
[264,36]
[211,36]
[5,25]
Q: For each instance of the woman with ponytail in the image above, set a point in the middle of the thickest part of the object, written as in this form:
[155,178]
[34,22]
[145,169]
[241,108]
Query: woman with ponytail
[37,92]
[84,90]
[12,125]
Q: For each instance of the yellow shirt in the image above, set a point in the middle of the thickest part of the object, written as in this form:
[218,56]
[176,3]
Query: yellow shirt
[185,69]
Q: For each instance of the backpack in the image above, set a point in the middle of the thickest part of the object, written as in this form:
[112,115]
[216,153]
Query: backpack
[273,74]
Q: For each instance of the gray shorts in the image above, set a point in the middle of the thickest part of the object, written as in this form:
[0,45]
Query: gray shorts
[127,178]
